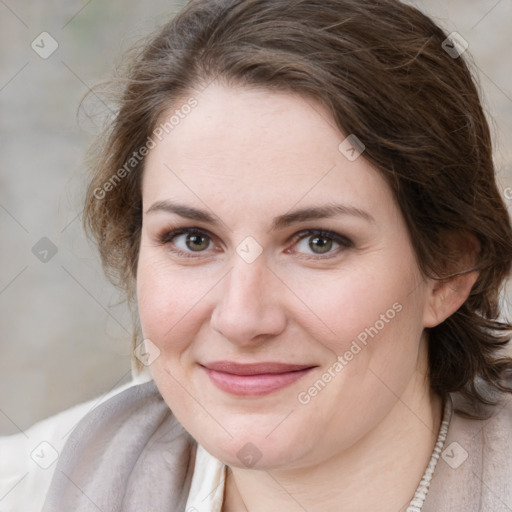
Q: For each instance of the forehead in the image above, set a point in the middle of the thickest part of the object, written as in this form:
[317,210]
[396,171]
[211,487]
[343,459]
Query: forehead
[258,147]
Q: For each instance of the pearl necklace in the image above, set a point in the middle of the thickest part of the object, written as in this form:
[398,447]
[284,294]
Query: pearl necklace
[421,492]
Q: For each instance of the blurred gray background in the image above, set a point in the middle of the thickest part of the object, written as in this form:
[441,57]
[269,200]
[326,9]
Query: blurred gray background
[64,336]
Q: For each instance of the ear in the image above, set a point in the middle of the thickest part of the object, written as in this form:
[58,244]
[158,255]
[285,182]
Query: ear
[447,294]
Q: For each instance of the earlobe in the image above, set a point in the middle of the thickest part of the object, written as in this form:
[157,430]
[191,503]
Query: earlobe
[447,295]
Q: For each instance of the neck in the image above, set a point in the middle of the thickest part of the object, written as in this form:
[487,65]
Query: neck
[380,472]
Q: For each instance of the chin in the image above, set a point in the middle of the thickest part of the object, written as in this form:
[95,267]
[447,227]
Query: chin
[257,434]
[251,455]
[254,449]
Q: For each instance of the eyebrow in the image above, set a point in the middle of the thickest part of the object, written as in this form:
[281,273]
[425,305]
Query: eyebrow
[305,214]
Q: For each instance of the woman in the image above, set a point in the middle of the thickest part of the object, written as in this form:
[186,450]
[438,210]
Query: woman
[299,199]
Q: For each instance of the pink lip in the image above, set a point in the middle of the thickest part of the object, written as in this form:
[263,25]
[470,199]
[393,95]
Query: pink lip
[253,379]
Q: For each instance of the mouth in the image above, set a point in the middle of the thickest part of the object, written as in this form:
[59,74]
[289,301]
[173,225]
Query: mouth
[254,379]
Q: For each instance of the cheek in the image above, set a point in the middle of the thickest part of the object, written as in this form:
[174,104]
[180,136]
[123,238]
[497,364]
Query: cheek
[375,354]
[380,350]
[363,305]
[371,322]
[169,302]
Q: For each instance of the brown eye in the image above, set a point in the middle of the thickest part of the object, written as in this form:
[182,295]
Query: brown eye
[197,242]
[320,244]
[186,241]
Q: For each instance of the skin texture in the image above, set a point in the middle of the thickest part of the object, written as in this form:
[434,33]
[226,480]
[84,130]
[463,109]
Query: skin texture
[247,156]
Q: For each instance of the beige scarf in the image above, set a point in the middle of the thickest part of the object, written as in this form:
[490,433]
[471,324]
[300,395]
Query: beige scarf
[130,454]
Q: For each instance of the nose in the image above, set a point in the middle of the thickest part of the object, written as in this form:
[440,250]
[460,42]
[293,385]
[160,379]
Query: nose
[249,310]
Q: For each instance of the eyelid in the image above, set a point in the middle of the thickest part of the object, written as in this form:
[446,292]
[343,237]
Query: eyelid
[322,232]
[169,234]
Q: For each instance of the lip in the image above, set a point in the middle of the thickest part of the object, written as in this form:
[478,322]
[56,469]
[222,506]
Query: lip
[254,379]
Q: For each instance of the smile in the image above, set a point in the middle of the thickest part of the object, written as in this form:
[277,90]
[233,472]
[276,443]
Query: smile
[254,379]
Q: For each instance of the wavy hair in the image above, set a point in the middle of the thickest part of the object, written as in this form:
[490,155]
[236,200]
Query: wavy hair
[382,70]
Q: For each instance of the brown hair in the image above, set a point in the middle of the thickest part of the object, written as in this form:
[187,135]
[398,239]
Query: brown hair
[381,69]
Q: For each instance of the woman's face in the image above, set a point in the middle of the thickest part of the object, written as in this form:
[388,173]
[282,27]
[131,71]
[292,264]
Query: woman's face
[276,281]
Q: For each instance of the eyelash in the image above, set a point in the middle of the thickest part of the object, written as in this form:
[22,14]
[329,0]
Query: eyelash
[166,238]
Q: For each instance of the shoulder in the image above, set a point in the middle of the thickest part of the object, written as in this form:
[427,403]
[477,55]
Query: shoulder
[131,449]
[489,429]
[474,471]
[28,459]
